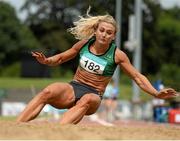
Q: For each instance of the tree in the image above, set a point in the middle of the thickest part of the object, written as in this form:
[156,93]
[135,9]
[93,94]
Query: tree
[169,29]
[160,37]
[15,37]
[53,17]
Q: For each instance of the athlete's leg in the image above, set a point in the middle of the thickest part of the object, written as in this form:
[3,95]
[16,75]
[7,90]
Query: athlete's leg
[59,95]
[87,105]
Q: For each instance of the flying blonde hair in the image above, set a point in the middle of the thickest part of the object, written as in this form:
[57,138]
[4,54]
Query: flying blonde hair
[86,26]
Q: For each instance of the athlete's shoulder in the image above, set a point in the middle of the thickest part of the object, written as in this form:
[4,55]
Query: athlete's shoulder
[78,45]
[120,55]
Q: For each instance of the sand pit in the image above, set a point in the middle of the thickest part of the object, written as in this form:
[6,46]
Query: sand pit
[51,130]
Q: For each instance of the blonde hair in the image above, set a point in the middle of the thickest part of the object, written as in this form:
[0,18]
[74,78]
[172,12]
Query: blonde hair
[86,26]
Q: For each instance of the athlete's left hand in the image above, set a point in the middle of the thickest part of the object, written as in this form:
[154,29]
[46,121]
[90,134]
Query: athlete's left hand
[167,93]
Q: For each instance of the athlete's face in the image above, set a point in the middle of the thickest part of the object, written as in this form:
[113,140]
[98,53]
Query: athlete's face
[105,33]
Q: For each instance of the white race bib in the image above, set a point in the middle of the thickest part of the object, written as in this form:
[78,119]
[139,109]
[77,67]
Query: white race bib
[92,66]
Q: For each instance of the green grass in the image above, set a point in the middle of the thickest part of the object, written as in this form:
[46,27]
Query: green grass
[10,83]
[26,83]
[8,118]
[126,93]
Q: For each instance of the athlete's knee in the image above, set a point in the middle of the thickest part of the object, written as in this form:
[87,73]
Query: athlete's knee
[94,103]
[45,94]
[88,101]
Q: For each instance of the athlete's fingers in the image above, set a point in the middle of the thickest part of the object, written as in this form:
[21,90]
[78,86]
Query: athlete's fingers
[42,55]
[34,54]
[38,53]
[173,95]
[168,90]
[177,94]
[171,90]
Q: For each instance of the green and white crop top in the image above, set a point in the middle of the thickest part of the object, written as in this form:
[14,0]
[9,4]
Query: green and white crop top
[98,64]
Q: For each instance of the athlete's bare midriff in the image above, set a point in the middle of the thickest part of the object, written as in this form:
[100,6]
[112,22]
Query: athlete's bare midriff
[97,81]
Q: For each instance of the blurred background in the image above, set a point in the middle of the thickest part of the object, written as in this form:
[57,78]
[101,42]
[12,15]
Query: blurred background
[36,25]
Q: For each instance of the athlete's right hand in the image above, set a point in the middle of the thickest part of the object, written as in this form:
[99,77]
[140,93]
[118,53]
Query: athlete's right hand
[40,57]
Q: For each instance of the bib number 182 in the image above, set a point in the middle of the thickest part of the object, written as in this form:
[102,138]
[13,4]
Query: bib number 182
[91,66]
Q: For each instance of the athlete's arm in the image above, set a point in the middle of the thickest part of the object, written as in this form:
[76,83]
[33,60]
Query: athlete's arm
[61,57]
[122,59]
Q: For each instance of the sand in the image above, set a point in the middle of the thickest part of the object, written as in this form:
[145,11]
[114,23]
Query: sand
[88,130]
